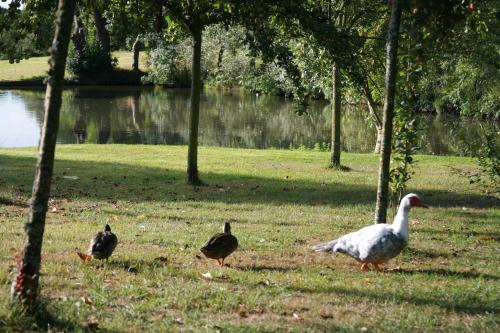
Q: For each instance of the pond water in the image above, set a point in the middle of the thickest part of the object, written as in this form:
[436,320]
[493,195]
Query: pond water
[230,119]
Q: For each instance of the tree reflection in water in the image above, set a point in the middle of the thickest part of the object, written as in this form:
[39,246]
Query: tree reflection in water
[229,119]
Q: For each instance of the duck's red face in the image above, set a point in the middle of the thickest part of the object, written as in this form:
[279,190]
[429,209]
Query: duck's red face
[416,202]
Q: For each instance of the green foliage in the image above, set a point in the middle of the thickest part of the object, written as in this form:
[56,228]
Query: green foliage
[91,63]
[169,64]
[488,160]
[403,149]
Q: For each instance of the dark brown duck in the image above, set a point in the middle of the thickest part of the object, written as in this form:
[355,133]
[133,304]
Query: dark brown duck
[220,245]
[101,246]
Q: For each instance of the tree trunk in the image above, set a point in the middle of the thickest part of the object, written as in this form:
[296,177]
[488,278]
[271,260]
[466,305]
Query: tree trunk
[158,18]
[78,36]
[336,118]
[376,118]
[192,168]
[136,48]
[102,34]
[390,89]
[25,285]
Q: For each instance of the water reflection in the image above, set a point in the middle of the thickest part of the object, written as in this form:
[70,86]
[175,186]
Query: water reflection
[230,119]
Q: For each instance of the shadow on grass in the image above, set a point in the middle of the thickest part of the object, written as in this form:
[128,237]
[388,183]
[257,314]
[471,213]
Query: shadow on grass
[466,304]
[260,268]
[42,320]
[115,181]
[448,273]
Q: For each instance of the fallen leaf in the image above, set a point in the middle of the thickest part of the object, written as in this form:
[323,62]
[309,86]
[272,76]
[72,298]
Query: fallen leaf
[87,300]
[179,321]
[487,238]
[207,275]
[296,316]
[53,210]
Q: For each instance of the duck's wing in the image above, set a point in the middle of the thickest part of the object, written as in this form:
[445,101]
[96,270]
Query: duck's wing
[103,242]
[357,244]
[221,240]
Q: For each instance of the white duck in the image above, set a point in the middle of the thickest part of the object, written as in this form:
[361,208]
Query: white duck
[378,243]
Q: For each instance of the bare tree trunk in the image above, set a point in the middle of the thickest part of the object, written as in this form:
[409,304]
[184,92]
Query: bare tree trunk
[78,36]
[390,90]
[136,48]
[158,19]
[102,34]
[336,117]
[25,285]
[192,168]
[376,118]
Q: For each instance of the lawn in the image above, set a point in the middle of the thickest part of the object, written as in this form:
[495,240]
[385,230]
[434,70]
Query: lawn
[37,67]
[279,202]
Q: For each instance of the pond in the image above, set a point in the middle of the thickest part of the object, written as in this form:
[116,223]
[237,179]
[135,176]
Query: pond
[147,115]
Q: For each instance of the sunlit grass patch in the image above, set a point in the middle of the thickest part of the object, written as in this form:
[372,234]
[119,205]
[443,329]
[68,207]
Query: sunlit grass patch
[279,203]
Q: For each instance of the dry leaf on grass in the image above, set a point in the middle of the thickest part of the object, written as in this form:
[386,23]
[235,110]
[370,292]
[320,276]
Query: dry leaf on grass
[207,276]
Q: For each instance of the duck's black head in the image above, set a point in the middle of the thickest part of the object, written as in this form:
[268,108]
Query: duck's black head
[107,227]
[227,228]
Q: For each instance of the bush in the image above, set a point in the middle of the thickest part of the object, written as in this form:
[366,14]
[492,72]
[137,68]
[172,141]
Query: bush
[91,62]
[167,65]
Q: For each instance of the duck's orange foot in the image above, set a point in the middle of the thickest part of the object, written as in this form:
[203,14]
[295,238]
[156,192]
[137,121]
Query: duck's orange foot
[84,257]
[364,266]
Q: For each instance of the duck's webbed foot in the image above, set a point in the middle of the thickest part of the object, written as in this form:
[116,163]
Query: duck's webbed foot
[364,266]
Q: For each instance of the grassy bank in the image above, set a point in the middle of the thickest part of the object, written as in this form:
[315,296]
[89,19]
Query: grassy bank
[37,67]
[280,203]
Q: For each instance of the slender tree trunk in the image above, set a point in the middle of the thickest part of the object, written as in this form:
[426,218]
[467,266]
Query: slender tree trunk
[390,89]
[336,117]
[78,36]
[376,118]
[136,48]
[102,34]
[25,285]
[192,168]
[158,18]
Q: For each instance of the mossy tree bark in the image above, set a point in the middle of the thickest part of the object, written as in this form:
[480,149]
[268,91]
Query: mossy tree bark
[102,34]
[194,117]
[136,48]
[336,118]
[25,284]
[375,117]
[390,90]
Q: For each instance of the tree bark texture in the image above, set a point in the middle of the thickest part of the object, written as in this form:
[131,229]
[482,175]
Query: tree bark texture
[390,90]
[25,285]
[78,36]
[136,48]
[102,33]
[158,18]
[336,117]
[192,168]
[372,108]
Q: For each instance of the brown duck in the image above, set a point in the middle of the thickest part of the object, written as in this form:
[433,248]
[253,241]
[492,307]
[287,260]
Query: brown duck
[101,246]
[220,245]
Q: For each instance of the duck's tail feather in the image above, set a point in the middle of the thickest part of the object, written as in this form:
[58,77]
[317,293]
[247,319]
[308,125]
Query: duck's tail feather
[325,247]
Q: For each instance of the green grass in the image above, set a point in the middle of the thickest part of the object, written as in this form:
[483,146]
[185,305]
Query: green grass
[37,67]
[280,203]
